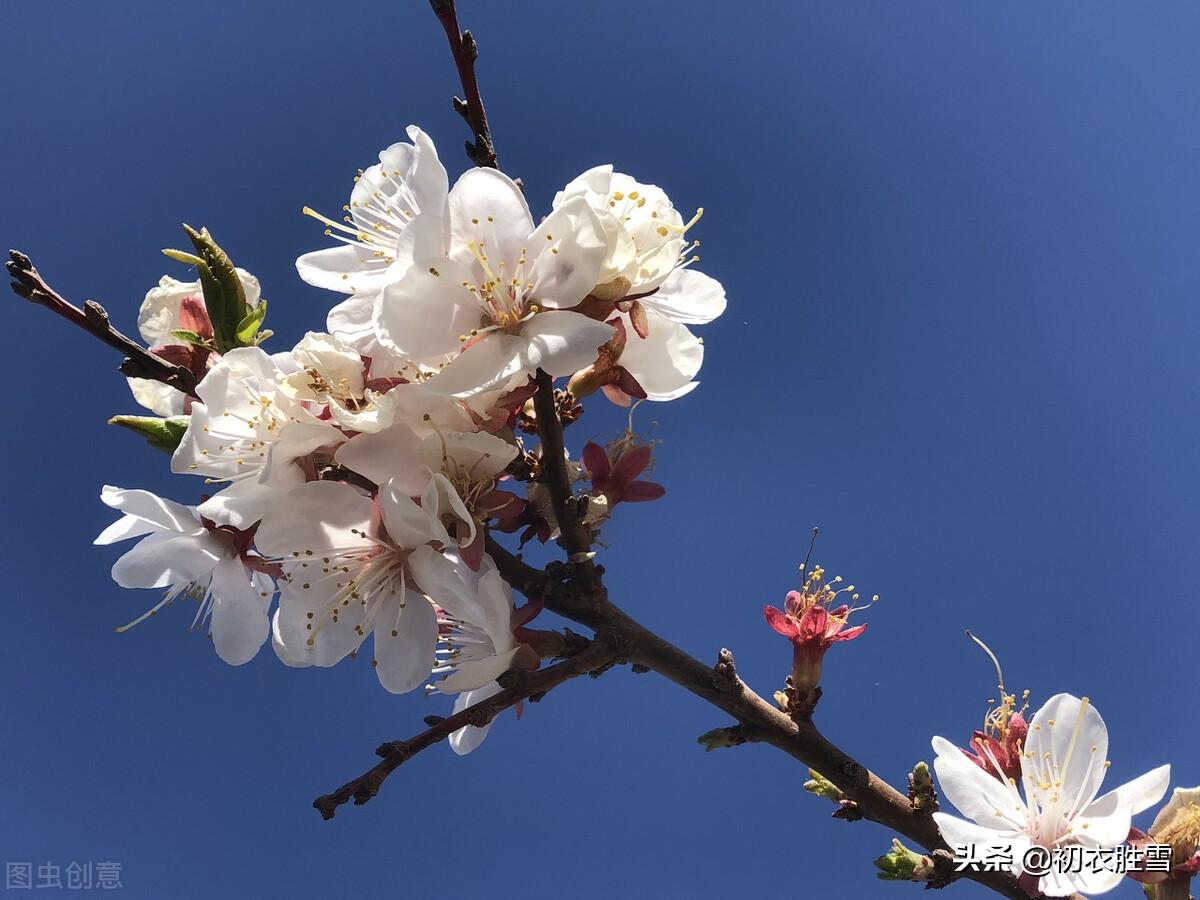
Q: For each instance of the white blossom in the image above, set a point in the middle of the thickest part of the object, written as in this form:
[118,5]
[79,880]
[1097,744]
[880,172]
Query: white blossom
[1062,767]
[181,553]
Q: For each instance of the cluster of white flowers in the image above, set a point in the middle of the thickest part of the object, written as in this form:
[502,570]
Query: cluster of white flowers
[354,477]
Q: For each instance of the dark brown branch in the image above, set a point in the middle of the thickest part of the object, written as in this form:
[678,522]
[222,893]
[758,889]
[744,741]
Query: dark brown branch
[481,151]
[139,362]
[575,537]
[758,721]
[594,659]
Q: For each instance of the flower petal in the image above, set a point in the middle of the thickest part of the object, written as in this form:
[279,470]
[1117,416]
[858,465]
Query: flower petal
[489,210]
[167,558]
[424,314]
[562,342]
[688,297]
[568,251]
[239,622]
[405,645]
[161,513]
[975,793]
[1065,753]
[468,738]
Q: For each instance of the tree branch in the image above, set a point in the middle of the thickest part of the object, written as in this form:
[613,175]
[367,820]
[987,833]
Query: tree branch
[481,151]
[139,362]
[758,720]
[575,537]
[599,655]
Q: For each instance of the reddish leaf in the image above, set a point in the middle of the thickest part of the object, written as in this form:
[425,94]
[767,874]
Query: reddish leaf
[642,491]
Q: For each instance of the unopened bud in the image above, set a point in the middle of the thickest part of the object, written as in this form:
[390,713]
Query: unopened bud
[162,434]
[903,864]
[821,786]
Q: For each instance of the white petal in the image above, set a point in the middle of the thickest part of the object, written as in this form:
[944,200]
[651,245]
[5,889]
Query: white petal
[239,623]
[477,673]
[489,363]
[1065,753]
[295,627]
[665,361]
[123,529]
[424,314]
[166,558]
[1063,884]
[316,516]
[408,524]
[159,512]
[394,453]
[569,249]
[161,399]
[468,738]
[1142,792]
[562,342]
[958,832]
[488,209]
[404,646]
[974,792]
[1105,822]
[689,297]
[345,268]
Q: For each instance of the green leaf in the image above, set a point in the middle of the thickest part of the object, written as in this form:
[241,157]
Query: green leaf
[247,329]
[262,336]
[163,434]
[821,786]
[181,256]
[190,337]
[224,295]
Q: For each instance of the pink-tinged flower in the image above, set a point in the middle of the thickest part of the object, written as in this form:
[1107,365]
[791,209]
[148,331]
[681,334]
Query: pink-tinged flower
[997,748]
[615,472]
[809,622]
[1000,755]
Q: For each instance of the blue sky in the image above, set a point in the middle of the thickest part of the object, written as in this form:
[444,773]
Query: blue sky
[958,243]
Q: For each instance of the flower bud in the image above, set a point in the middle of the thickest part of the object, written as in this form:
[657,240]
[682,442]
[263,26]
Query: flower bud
[903,864]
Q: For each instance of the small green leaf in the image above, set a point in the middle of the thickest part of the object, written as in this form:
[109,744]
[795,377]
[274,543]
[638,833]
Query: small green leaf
[190,337]
[163,434]
[248,328]
[181,256]
[224,295]
[262,336]
[821,786]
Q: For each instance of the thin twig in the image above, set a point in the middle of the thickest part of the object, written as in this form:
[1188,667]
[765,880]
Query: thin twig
[597,657]
[481,151]
[575,537]
[139,362]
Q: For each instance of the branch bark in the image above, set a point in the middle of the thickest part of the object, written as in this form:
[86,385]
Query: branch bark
[481,151]
[594,659]
[576,591]
[139,362]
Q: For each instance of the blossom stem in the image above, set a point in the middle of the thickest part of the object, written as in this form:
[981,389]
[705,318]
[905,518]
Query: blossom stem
[139,362]
[482,151]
